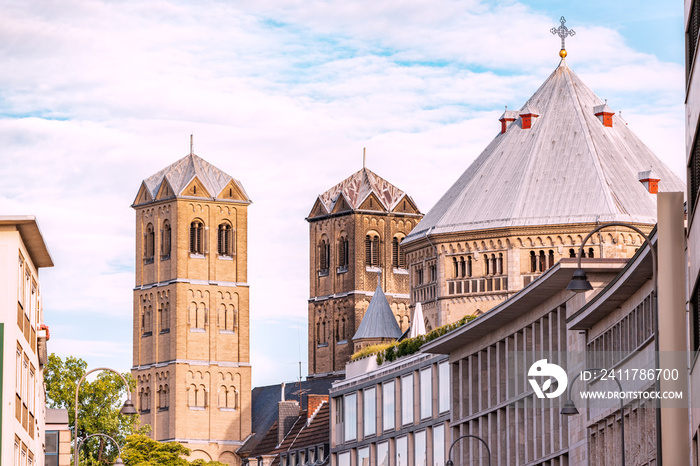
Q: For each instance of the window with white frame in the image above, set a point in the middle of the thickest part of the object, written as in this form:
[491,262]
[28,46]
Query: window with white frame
[407,399]
[444,386]
[350,409]
[426,393]
[369,402]
[388,412]
[20,282]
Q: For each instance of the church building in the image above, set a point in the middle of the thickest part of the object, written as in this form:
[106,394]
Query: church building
[562,164]
[356,229]
[191,316]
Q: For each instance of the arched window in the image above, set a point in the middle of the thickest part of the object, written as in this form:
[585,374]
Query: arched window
[493,264]
[324,250]
[533,262]
[197,237]
[487,265]
[165,238]
[198,312]
[164,319]
[343,329]
[469,266]
[225,240]
[149,242]
[419,275]
[318,333]
[147,399]
[148,320]
[325,339]
[337,329]
[572,253]
[433,273]
[372,250]
[543,262]
[463,266]
[551,258]
[166,397]
[590,253]
[200,397]
[455,268]
[398,256]
[500,264]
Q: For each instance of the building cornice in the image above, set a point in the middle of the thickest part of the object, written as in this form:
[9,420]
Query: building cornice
[190,362]
[356,292]
[191,282]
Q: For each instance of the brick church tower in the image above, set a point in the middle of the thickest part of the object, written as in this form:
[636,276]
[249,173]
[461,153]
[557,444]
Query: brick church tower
[356,228]
[191,330]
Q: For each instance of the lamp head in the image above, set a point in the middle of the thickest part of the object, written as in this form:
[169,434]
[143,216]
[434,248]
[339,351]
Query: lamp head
[449,463]
[128,408]
[119,461]
[569,408]
[579,282]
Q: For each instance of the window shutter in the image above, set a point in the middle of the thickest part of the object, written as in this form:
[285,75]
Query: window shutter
[220,238]
[193,238]
[368,250]
[203,240]
[395,252]
[375,251]
[229,241]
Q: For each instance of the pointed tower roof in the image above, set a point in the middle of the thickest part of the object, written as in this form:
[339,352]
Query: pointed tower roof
[179,176]
[567,167]
[379,321]
[352,192]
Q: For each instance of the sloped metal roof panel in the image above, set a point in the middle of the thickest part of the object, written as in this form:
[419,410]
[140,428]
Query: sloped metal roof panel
[379,321]
[567,168]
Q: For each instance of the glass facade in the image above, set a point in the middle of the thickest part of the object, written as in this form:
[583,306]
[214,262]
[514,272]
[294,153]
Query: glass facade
[426,393]
[407,399]
[444,386]
[363,456]
[439,445]
[350,408]
[370,412]
[419,449]
[402,451]
[388,411]
[383,454]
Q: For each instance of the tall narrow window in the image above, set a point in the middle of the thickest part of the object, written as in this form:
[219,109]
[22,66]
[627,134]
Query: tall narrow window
[469,266]
[533,262]
[388,413]
[463,267]
[343,250]
[407,400]
[542,262]
[225,240]
[324,250]
[500,264]
[350,409]
[551,258]
[487,265]
[165,238]
[369,402]
[590,253]
[149,241]
[197,237]
[164,317]
[426,393]
[398,256]
[572,253]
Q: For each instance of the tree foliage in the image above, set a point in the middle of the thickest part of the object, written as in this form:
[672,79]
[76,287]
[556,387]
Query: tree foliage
[141,450]
[99,402]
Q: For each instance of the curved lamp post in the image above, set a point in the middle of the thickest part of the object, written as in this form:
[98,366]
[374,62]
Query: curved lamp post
[579,284]
[128,408]
[449,453]
[569,408]
[119,450]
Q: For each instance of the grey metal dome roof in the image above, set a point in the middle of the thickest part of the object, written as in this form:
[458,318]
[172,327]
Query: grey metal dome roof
[567,168]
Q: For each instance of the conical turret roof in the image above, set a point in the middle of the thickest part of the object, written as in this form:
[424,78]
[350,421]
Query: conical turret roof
[379,321]
[567,168]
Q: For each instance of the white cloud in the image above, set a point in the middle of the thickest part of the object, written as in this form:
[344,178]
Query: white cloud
[283,96]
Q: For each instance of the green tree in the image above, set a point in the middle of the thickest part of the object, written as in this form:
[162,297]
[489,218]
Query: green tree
[143,451]
[99,403]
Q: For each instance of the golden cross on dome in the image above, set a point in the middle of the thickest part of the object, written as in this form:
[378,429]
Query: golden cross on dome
[562,31]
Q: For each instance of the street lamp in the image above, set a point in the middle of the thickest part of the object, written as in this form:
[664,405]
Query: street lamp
[119,450]
[579,284]
[449,453]
[569,408]
[128,408]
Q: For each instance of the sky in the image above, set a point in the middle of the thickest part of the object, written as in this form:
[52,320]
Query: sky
[283,95]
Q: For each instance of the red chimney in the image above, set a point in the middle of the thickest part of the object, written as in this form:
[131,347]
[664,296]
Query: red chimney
[604,114]
[650,180]
[508,117]
[526,114]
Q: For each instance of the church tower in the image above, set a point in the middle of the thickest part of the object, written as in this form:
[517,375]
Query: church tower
[191,318]
[356,229]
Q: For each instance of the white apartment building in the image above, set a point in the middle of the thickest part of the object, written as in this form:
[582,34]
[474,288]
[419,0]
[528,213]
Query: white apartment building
[23,338]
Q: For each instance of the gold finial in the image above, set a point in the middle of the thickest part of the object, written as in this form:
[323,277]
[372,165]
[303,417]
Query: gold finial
[562,31]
